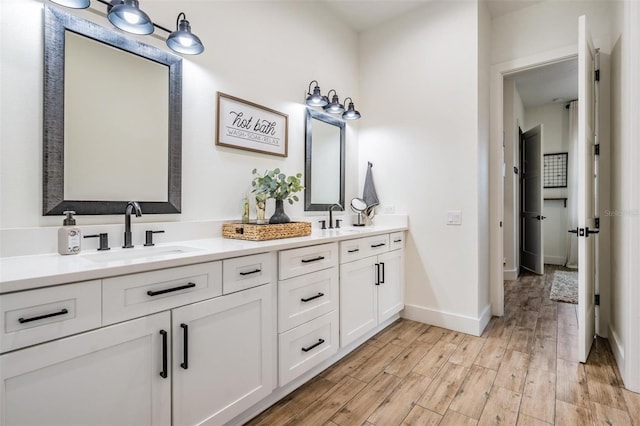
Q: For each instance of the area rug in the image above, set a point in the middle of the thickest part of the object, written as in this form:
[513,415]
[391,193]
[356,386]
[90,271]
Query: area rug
[565,287]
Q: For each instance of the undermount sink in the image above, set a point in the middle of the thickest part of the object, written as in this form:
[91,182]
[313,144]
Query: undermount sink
[138,253]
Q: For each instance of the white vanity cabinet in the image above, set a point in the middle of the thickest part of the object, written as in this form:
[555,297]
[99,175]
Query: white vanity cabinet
[307,309]
[159,359]
[108,376]
[371,283]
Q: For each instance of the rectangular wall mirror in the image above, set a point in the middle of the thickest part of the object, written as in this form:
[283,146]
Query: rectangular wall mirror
[112,121]
[324,161]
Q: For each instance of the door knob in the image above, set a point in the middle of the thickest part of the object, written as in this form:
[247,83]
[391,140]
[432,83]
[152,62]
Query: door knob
[540,217]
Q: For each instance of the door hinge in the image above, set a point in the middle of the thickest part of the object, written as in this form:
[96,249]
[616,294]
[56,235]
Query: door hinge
[597,75]
[597,300]
[597,219]
[597,148]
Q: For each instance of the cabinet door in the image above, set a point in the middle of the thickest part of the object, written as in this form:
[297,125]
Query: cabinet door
[358,299]
[225,364]
[391,288]
[105,377]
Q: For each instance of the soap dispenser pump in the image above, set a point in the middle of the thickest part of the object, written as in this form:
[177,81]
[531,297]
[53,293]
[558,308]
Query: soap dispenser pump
[69,236]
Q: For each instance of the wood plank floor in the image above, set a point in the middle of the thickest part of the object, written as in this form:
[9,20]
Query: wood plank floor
[523,370]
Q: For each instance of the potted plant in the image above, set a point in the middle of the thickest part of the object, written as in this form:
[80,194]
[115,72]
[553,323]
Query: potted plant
[276,185]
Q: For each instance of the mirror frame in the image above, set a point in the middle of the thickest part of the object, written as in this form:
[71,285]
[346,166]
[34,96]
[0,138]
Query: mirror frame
[313,114]
[56,23]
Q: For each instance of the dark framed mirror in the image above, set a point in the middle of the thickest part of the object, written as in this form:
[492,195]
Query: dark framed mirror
[112,121]
[324,164]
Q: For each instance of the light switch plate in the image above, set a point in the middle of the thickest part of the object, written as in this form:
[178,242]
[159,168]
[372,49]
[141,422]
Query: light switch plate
[454,217]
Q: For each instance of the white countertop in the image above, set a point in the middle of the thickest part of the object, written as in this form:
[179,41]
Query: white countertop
[28,272]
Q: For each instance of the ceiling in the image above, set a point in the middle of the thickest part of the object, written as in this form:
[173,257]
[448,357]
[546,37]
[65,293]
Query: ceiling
[362,15]
[540,86]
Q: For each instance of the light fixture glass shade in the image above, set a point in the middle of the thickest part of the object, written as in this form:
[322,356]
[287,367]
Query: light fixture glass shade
[351,113]
[128,17]
[335,107]
[316,99]
[73,4]
[184,41]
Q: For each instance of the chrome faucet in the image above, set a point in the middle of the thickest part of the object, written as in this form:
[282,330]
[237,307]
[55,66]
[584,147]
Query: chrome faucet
[132,206]
[331,215]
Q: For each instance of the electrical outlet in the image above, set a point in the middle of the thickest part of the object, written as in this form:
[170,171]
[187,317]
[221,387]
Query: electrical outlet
[454,217]
[390,209]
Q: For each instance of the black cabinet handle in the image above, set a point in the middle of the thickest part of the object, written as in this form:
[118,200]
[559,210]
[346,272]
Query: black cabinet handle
[255,271]
[169,290]
[573,231]
[55,314]
[163,373]
[318,343]
[378,245]
[312,297]
[397,241]
[315,259]
[185,347]
[382,279]
[377,274]
[353,251]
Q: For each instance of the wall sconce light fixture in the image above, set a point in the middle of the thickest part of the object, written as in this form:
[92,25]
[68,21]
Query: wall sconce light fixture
[316,98]
[183,40]
[350,113]
[334,107]
[127,16]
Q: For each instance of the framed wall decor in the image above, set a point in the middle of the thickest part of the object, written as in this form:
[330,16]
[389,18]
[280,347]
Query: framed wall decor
[555,170]
[245,125]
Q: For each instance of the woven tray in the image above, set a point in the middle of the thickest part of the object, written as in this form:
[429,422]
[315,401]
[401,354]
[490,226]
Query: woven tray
[255,232]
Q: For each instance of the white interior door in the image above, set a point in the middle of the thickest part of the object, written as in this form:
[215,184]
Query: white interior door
[586,210]
[532,173]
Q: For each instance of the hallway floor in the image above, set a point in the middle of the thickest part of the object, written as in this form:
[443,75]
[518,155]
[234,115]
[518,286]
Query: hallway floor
[523,370]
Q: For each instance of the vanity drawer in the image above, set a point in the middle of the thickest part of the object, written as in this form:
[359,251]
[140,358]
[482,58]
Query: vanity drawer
[135,295]
[306,346]
[35,316]
[305,260]
[396,240]
[245,272]
[304,298]
[360,248]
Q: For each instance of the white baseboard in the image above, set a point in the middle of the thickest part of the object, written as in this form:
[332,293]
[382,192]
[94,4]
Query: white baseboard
[457,322]
[510,274]
[555,260]
[618,350]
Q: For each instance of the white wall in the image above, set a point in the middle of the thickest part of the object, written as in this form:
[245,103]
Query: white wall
[263,51]
[513,120]
[547,26]
[554,118]
[422,133]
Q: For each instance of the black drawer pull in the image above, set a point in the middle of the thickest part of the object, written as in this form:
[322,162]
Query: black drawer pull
[185,347]
[353,251]
[55,314]
[169,290]
[312,297]
[378,245]
[255,271]
[163,373]
[318,343]
[397,241]
[315,259]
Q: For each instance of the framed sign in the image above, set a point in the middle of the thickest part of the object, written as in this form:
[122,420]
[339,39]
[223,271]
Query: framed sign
[244,125]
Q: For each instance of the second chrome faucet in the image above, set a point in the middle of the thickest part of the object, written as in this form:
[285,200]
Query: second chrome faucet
[132,207]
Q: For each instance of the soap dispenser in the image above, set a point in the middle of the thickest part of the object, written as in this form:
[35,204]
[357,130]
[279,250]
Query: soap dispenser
[69,236]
